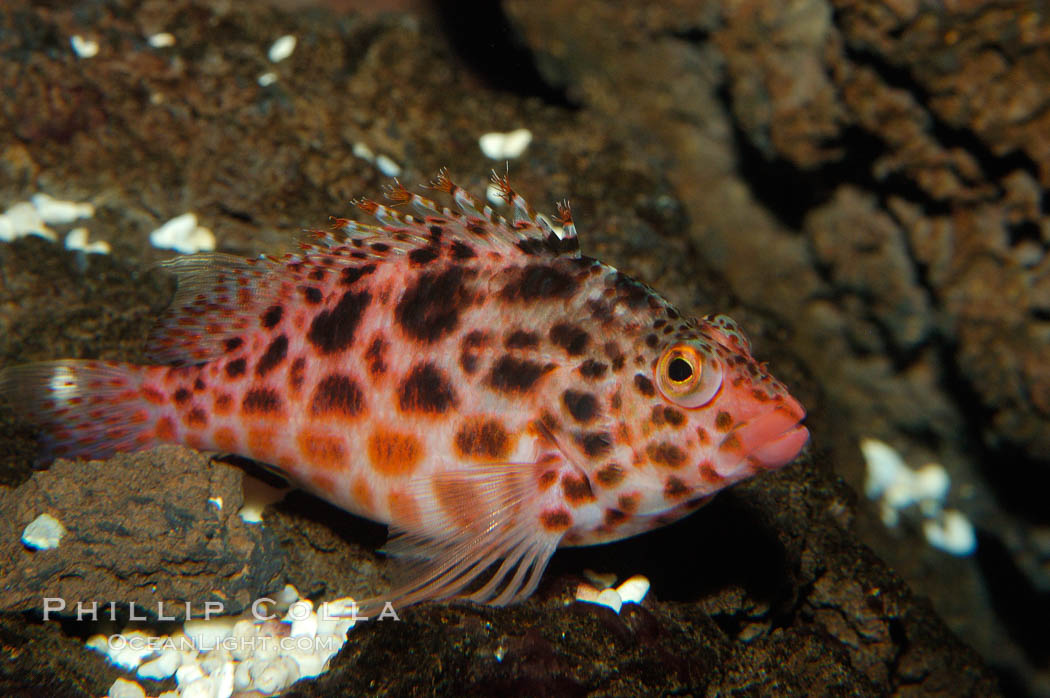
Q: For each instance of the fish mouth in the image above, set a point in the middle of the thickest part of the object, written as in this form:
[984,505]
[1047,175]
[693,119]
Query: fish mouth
[773,439]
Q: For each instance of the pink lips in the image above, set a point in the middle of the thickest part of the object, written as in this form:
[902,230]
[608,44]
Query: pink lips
[774,438]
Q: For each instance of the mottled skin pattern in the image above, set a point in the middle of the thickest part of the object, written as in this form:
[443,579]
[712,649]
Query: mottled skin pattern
[475,383]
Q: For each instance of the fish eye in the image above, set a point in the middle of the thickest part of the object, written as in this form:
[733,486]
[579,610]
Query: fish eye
[679,370]
[688,378]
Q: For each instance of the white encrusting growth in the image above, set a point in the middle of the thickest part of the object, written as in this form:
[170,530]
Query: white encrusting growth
[161,40]
[183,234]
[84,48]
[383,163]
[632,590]
[387,166]
[57,212]
[282,48]
[505,146]
[897,487]
[77,239]
[259,655]
[952,532]
[23,219]
[34,217]
[122,688]
[43,533]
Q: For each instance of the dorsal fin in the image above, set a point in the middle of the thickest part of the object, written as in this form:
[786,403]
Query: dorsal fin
[213,303]
[474,224]
[219,296]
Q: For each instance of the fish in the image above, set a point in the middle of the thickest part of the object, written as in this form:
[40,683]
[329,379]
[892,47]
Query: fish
[471,380]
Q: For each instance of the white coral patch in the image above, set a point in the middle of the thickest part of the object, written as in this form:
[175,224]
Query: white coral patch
[505,146]
[161,40]
[282,48]
[387,166]
[122,688]
[23,219]
[43,533]
[951,532]
[183,234]
[77,239]
[634,589]
[84,48]
[897,487]
[57,212]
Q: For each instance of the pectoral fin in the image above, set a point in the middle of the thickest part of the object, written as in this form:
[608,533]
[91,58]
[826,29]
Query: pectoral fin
[479,538]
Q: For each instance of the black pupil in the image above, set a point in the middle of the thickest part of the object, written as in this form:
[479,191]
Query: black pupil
[679,370]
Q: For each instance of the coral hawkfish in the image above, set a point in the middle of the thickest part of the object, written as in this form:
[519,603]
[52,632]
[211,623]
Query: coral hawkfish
[472,381]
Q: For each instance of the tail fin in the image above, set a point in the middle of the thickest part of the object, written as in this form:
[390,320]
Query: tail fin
[84,409]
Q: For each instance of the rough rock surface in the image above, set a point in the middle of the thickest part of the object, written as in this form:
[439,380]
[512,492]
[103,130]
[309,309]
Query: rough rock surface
[821,172]
[143,528]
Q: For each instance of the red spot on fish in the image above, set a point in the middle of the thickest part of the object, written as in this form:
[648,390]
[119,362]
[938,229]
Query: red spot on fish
[362,494]
[226,439]
[556,520]
[393,453]
[576,489]
[321,449]
[165,429]
[153,395]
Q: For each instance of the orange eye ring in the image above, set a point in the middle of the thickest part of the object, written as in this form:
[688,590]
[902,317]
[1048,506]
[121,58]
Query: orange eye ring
[687,378]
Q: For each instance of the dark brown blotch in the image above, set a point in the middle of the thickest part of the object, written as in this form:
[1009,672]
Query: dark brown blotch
[674,417]
[333,330]
[462,251]
[426,389]
[594,443]
[570,338]
[376,356]
[538,281]
[483,438]
[181,396]
[296,374]
[610,475]
[272,316]
[644,385]
[273,356]
[261,401]
[233,343]
[513,375]
[582,406]
[576,489]
[337,394]
[350,275]
[422,256]
[311,295]
[556,520]
[430,309]
[522,339]
[723,421]
[593,370]
[236,368]
[675,488]
[664,453]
